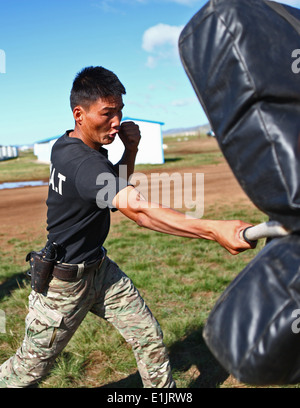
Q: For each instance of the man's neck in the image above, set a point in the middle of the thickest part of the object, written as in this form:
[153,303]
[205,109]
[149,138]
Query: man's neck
[76,133]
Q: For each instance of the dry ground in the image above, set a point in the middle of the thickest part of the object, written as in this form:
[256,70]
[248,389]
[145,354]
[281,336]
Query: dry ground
[23,211]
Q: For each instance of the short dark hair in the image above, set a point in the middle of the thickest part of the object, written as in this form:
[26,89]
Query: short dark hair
[92,83]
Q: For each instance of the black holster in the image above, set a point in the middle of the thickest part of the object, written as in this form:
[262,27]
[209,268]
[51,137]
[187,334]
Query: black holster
[41,268]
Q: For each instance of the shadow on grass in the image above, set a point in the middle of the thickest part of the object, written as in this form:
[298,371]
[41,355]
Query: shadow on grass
[172,159]
[192,352]
[13,283]
[186,354]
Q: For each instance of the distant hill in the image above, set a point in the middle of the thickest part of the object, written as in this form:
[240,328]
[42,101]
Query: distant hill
[187,131]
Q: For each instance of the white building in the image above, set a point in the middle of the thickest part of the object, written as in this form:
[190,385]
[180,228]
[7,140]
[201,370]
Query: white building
[8,152]
[42,149]
[150,147]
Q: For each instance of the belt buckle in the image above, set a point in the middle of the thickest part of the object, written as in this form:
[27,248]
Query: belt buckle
[80,270]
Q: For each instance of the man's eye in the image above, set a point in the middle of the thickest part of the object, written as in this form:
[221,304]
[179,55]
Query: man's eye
[112,114]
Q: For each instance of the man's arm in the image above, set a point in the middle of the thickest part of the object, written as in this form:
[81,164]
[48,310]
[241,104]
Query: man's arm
[166,220]
[130,135]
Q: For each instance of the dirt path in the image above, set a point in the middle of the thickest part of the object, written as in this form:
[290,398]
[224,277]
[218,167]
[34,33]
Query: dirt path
[23,211]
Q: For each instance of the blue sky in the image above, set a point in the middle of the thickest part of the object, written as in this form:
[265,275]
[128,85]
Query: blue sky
[46,42]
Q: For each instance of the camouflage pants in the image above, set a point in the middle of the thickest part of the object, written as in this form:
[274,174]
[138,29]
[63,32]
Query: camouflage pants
[54,317]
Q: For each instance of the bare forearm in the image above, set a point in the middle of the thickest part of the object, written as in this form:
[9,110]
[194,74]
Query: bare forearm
[169,221]
[166,220]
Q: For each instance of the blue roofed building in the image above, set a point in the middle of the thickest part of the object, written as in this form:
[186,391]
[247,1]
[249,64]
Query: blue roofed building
[150,147]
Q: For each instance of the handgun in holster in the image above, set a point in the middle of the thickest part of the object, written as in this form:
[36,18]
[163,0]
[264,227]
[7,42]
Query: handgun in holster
[41,266]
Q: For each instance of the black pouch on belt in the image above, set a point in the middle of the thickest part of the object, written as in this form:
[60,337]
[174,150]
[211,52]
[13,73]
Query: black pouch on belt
[41,267]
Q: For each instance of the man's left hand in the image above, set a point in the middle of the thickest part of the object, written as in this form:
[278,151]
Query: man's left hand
[130,135]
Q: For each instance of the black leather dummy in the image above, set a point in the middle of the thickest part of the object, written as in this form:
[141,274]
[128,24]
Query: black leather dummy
[243,60]
[254,328]
[238,55]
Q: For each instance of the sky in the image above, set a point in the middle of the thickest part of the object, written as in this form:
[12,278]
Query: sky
[45,43]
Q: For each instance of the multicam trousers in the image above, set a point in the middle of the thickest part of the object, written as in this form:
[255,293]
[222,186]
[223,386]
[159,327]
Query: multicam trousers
[54,317]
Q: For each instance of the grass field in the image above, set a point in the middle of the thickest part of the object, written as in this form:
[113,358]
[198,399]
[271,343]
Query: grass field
[24,168]
[180,280]
[180,287]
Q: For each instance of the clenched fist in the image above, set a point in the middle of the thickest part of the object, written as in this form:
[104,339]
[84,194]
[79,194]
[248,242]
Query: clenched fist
[130,135]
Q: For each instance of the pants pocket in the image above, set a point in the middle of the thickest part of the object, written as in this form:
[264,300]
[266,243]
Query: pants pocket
[42,325]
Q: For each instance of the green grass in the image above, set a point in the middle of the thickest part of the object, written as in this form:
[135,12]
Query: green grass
[174,161]
[180,280]
[181,152]
[23,168]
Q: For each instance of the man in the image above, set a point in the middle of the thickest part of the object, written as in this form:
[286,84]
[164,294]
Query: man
[83,188]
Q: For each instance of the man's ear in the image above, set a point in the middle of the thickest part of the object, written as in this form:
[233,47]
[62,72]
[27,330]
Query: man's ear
[78,113]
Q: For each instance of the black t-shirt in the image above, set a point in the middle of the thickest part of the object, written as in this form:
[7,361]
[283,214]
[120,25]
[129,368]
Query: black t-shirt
[82,186]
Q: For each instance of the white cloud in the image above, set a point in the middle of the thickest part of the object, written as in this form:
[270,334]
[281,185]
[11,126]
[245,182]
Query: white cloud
[161,41]
[159,35]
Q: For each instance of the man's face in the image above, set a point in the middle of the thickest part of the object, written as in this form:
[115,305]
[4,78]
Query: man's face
[100,122]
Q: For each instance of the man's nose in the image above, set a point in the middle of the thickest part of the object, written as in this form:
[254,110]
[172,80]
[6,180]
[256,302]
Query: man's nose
[116,121]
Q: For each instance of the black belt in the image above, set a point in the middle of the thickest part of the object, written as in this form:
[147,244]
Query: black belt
[74,272]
